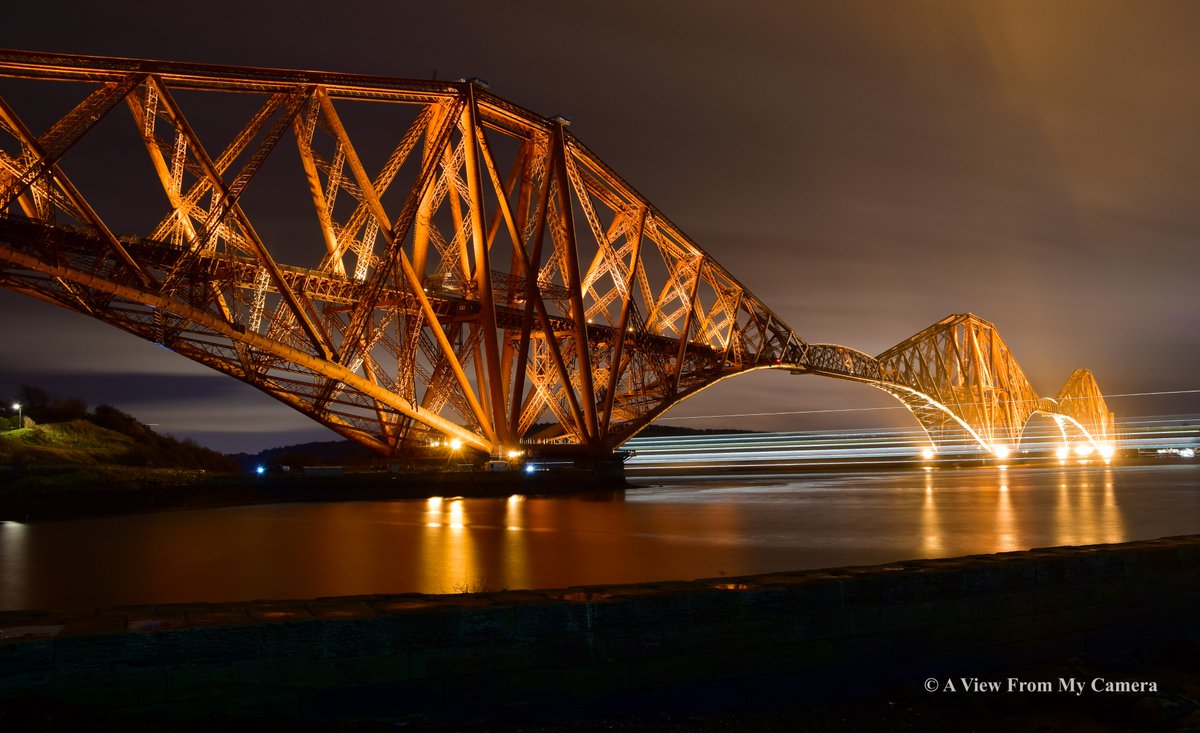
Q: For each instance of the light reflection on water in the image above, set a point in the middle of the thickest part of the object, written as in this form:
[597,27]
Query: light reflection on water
[931,530]
[680,530]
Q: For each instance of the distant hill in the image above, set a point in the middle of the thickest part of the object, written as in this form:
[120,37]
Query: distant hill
[345,452]
[318,453]
[654,430]
[662,431]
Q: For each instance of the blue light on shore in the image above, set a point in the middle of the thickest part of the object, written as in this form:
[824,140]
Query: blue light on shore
[260,470]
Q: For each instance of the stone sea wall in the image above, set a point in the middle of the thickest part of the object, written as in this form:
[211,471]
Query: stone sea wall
[725,643]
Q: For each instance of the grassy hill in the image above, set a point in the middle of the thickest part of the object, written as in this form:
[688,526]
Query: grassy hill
[119,442]
[77,441]
[105,462]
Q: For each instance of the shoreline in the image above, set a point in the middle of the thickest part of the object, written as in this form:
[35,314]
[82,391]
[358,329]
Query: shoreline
[66,493]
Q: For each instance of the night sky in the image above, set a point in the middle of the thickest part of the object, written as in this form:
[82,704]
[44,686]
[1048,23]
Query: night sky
[865,168]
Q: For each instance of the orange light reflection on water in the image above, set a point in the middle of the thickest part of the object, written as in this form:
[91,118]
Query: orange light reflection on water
[728,526]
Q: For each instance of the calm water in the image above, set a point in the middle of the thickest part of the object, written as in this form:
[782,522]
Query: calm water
[678,530]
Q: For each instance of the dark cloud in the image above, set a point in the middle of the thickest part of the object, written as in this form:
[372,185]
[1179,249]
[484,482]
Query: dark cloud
[886,163]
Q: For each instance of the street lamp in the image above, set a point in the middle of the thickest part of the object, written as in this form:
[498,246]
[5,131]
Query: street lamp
[20,416]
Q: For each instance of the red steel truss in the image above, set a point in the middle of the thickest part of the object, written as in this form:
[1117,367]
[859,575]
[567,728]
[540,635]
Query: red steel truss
[465,269]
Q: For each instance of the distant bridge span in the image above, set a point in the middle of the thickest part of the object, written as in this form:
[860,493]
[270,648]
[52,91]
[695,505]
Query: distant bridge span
[426,261]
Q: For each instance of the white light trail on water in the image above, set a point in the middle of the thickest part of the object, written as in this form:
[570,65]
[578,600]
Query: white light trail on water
[783,450]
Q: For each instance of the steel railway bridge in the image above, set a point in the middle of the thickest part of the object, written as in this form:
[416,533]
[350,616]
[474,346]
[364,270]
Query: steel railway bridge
[456,269]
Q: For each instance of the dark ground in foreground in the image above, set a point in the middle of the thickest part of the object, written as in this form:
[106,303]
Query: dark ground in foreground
[1174,707]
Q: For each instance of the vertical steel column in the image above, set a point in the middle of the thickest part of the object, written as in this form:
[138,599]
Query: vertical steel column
[483,274]
[574,286]
[422,222]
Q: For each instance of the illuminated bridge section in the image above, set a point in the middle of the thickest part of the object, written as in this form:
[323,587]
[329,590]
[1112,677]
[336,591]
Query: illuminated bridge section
[963,385]
[1080,409]
[465,269]
[408,262]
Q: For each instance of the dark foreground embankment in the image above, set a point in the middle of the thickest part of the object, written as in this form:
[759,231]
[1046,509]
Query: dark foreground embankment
[760,643]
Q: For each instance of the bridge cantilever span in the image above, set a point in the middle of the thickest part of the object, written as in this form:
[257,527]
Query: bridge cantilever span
[960,380]
[470,269]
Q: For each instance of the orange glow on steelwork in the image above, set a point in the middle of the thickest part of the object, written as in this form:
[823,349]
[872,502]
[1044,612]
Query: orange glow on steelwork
[522,282]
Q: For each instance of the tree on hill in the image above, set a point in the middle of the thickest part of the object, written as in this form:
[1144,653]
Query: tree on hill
[40,405]
[107,416]
[32,398]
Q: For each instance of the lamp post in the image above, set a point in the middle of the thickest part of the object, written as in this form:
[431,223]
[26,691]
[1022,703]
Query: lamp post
[20,415]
